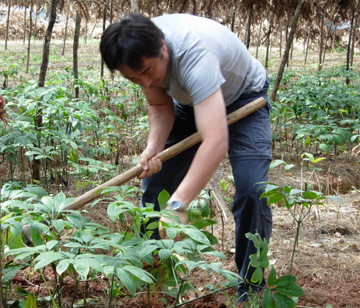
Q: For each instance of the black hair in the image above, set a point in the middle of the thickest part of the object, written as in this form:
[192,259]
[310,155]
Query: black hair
[128,41]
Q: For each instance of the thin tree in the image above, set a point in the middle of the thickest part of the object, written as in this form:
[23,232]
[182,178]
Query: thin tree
[43,69]
[7,24]
[30,34]
[248,25]
[287,49]
[75,52]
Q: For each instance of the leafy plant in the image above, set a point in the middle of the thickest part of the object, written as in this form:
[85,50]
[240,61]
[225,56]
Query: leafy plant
[297,201]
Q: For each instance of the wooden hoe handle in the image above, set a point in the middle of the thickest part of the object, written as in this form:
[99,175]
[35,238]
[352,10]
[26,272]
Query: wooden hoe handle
[164,155]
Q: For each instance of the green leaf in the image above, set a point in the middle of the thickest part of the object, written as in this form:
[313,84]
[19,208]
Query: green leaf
[9,273]
[272,277]
[196,235]
[163,198]
[283,301]
[63,265]
[290,290]
[335,198]
[126,279]
[78,220]
[268,300]
[311,194]
[30,301]
[94,264]
[139,273]
[46,258]
[82,267]
[275,198]
[113,211]
[285,280]
[257,276]
[171,232]
[165,253]
[276,163]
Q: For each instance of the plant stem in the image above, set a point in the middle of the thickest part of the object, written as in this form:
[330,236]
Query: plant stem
[112,287]
[48,289]
[295,243]
[179,292]
[75,290]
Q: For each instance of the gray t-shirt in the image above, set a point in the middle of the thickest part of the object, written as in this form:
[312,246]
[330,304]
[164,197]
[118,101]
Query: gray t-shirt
[203,56]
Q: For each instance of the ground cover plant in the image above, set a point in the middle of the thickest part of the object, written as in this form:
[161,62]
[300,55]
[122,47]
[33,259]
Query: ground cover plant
[98,257]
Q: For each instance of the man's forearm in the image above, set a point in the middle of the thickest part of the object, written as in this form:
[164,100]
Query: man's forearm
[161,120]
[201,170]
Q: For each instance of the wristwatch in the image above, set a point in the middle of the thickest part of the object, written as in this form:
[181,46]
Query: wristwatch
[176,205]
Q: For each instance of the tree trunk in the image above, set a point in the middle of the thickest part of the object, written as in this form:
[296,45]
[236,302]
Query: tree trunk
[111,11]
[348,53]
[65,33]
[35,22]
[321,41]
[280,39]
[259,39]
[46,47]
[30,34]
[43,68]
[233,17]
[268,40]
[24,30]
[307,44]
[248,26]
[7,24]
[287,50]
[104,26]
[75,53]
[134,6]
[325,44]
[353,43]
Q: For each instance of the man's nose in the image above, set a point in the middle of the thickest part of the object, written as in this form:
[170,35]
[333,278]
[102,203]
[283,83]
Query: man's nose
[146,81]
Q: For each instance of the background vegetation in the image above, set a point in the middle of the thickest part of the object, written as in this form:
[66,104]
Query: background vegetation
[69,126]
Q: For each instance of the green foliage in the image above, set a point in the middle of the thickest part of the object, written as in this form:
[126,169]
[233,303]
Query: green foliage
[278,291]
[318,110]
[68,242]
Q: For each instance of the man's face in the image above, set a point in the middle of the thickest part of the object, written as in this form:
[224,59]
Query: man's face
[153,71]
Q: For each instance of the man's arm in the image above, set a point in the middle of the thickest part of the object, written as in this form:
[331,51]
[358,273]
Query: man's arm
[161,120]
[211,122]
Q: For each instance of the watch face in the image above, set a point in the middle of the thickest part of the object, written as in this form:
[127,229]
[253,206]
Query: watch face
[175,205]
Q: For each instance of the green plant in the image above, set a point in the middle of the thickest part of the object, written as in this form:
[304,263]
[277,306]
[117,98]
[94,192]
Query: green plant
[278,291]
[67,241]
[297,201]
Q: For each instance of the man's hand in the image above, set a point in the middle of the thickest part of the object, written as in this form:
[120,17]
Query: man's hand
[149,162]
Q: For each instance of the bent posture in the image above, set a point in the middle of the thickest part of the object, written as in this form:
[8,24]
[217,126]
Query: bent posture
[193,71]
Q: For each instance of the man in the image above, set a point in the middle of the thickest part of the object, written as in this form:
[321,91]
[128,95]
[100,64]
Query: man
[193,71]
